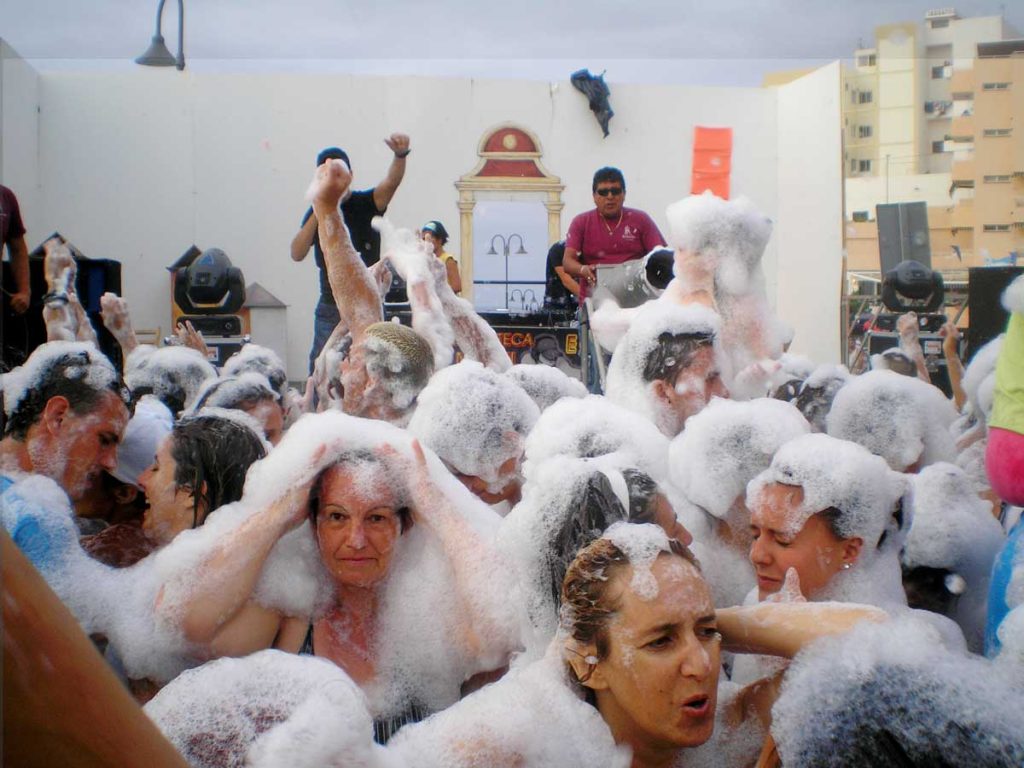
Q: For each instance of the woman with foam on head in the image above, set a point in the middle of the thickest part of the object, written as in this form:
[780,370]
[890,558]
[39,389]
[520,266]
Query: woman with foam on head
[354,544]
[633,677]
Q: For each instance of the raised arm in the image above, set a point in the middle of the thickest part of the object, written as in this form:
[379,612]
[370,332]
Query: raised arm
[954,366]
[910,344]
[385,190]
[470,556]
[211,602]
[115,316]
[783,629]
[303,239]
[354,289]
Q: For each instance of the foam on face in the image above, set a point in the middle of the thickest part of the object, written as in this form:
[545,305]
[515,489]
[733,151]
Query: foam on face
[835,473]
[726,445]
[595,426]
[176,372]
[545,384]
[474,419]
[626,385]
[902,419]
[95,369]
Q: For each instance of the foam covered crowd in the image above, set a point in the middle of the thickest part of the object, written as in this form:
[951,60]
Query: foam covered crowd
[429,556]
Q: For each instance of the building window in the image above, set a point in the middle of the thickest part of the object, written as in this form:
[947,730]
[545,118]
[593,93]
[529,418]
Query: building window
[992,133]
[997,179]
[860,215]
[939,72]
[994,86]
[939,23]
[867,60]
[938,146]
[863,131]
[864,166]
[997,227]
[853,166]
[864,97]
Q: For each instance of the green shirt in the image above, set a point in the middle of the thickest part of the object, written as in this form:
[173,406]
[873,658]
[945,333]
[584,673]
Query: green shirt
[1008,410]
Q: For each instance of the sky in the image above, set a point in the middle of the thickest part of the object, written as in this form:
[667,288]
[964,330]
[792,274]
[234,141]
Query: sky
[681,41]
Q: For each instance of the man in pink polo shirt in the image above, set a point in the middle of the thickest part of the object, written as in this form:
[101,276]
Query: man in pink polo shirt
[609,234]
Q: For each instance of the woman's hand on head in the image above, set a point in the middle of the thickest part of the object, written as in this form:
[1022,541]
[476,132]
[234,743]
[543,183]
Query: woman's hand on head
[292,507]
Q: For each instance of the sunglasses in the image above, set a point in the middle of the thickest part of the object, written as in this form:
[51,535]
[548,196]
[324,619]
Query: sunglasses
[613,191]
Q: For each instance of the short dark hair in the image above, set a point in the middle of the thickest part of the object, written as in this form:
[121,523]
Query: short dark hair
[674,353]
[66,375]
[212,455]
[608,174]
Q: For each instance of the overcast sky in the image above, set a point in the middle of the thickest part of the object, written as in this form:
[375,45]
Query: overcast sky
[695,41]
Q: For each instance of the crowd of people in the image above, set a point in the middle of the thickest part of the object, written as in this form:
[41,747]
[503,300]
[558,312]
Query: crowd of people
[429,556]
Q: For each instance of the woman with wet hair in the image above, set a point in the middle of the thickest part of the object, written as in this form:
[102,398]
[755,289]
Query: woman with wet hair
[250,393]
[199,467]
[633,677]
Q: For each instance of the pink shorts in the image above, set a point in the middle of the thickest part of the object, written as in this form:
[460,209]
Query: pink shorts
[1004,460]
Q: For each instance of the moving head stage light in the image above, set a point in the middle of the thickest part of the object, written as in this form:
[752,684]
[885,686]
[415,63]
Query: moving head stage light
[635,282]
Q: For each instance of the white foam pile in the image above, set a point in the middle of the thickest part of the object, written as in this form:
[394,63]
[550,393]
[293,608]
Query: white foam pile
[626,385]
[818,391]
[545,384]
[117,603]
[731,235]
[173,374]
[267,709]
[85,362]
[474,419]
[414,261]
[422,608]
[979,378]
[595,426]
[953,529]
[532,717]
[902,419]
[726,445]
[641,544]
[230,391]
[548,521]
[890,693]
[253,358]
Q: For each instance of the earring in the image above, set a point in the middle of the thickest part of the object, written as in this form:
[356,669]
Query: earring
[846,566]
[590,659]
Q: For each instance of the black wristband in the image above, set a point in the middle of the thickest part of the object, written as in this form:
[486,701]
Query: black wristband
[402,155]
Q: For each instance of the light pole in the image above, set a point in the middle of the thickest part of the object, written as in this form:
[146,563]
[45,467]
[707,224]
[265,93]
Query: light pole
[157,54]
[506,244]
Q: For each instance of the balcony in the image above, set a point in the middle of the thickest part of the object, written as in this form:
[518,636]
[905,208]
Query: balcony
[938,109]
[962,129]
[963,216]
[961,84]
[1017,216]
[963,173]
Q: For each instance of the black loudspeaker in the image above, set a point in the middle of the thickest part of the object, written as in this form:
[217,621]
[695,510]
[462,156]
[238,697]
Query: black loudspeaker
[988,318]
[23,333]
[903,234]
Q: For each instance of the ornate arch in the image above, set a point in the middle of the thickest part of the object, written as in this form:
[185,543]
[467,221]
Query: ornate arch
[509,162]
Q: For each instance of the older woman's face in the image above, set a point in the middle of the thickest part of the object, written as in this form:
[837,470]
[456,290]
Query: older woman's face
[357,525]
[814,551]
[657,686]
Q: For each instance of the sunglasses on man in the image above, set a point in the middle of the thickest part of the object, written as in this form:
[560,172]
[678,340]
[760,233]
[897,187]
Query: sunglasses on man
[613,191]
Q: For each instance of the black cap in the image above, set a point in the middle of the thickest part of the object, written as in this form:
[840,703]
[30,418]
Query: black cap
[333,152]
[437,228]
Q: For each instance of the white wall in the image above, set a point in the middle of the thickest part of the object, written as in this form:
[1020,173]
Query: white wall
[809,230]
[19,124]
[139,165]
[865,192]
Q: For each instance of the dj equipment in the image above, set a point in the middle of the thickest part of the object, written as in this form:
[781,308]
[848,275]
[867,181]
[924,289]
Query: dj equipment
[985,288]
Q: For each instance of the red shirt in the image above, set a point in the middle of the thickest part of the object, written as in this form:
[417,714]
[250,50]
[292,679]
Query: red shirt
[598,240]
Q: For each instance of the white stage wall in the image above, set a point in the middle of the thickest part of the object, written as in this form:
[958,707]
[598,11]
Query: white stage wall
[137,165]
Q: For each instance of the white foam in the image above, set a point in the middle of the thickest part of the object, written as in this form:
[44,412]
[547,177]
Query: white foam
[94,368]
[168,372]
[545,384]
[902,419]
